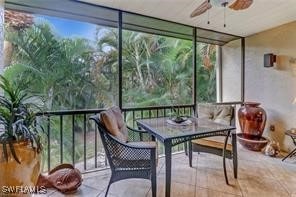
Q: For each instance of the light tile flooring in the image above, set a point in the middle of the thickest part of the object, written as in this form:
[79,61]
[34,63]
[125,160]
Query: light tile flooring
[258,175]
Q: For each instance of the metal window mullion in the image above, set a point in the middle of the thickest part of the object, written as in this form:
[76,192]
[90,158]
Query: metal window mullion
[194,70]
[120,59]
[220,68]
[243,69]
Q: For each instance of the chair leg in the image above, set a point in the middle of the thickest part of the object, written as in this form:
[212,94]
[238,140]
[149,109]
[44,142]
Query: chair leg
[224,159]
[153,185]
[225,171]
[190,153]
[110,182]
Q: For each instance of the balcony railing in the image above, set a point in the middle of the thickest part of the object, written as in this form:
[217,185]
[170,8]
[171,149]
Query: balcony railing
[72,138]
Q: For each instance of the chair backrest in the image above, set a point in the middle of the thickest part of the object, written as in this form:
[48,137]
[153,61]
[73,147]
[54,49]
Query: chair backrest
[219,112]
[113,121]
[111,144]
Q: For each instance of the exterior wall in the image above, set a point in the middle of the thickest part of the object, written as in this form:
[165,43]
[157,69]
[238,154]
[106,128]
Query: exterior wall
[275,87]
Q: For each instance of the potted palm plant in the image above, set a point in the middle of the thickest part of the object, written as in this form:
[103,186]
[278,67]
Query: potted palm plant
[20,138]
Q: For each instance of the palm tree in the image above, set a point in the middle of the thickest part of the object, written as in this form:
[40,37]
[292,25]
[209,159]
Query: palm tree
[105,70]
[206,73]
[57,68]
[15,22]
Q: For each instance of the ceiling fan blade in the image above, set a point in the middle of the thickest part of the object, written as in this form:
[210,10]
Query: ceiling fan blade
[201,9]
[241,4]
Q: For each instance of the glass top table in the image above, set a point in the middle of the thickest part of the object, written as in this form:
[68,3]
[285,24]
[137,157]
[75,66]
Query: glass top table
[172,134]
[164,131]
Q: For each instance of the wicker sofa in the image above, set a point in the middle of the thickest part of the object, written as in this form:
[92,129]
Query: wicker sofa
[224,114]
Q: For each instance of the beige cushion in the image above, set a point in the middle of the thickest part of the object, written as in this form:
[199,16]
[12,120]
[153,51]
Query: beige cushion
[205,110]
[223,114]
[217,113]
[120,122]
[113,124]
[215,143]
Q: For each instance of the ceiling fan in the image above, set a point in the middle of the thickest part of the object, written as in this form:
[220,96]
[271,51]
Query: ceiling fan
[232,4]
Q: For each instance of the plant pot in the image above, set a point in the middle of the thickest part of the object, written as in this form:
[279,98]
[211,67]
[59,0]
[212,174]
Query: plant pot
[252,119]
[24,174]
[254,145]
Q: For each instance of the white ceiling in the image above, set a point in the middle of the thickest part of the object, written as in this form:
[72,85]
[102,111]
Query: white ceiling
[262,15]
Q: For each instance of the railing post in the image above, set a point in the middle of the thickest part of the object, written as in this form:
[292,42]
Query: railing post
[84,141]
[48,143]
[96,147]
[61,138]
[73,140]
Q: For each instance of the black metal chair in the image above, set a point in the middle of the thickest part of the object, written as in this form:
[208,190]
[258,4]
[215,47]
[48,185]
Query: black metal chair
[215,146]
[292,134]
[128,159]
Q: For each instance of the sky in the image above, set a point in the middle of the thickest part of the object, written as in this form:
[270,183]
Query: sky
[69,28]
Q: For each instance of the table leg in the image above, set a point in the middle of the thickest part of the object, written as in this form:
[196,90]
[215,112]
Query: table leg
[168,167]
[190,153]
[234,154]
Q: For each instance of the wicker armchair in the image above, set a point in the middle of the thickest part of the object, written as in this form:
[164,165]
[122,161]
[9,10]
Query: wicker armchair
[223,114]
[128,159]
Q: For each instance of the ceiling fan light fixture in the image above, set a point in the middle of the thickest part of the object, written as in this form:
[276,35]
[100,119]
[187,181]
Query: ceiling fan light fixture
[234,5]
[206,5]
[241,5]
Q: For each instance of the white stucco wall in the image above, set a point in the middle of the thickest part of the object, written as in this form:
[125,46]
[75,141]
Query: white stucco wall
[231,71]
[275,87]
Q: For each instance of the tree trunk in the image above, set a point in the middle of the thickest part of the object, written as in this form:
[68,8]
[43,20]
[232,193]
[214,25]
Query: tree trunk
[8,51]
[139,71]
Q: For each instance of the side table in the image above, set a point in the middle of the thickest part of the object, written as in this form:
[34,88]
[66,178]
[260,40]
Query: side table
[292,134]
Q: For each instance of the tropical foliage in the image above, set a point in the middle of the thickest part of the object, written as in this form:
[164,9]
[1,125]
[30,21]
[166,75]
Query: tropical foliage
[77,73]
[82,73]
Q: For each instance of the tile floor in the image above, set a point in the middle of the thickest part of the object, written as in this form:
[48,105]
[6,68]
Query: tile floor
[258,175]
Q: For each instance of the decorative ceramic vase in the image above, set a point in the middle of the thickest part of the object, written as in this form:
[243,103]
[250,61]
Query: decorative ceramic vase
[24,174]
[252,119]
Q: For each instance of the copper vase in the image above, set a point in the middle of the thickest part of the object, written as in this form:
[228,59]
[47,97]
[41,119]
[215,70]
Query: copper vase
[252,119]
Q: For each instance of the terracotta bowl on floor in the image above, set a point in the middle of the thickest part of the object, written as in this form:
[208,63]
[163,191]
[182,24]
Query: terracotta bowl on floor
[250,144]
